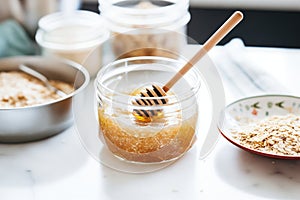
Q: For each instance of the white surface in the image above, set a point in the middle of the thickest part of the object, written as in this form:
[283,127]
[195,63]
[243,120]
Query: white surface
[61,168]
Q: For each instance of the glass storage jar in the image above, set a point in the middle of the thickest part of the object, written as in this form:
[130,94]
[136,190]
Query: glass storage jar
[168,132]
[76,35]
[146,27]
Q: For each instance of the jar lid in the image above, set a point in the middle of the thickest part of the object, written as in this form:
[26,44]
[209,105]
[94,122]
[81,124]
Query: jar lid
[145,14]
[71,30]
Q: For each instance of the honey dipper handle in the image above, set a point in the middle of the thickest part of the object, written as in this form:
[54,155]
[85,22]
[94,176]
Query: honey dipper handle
[230,23]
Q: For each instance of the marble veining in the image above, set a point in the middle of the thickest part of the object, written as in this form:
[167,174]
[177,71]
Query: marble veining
[61,168]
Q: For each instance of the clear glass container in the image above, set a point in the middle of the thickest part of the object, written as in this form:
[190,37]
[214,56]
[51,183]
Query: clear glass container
[146,28]
[168,132]
[75,35]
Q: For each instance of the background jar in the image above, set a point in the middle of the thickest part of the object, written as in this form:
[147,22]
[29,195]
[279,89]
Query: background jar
[160,138]
[75,35]
[146,28]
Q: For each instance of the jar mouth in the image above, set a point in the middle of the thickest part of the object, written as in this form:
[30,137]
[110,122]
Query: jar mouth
[149,6]
[176,96]
[58,19]
[71,30]
[136,17]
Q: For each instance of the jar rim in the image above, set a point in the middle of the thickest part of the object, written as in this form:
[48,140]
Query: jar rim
[66,47]
[183,4]
[132,17]
[51,22]
[75,17]
[194,89]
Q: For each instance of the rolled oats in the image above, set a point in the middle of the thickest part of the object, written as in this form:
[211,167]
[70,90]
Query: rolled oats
[274,134]
[18,89]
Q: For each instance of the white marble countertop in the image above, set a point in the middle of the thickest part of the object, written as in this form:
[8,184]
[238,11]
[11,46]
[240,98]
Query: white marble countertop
[61,167]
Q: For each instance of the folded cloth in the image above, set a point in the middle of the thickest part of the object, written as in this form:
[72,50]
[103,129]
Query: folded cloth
[242,76]
[14,40]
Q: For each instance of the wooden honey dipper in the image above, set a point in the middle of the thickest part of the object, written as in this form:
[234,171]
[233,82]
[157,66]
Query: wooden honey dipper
[157,91]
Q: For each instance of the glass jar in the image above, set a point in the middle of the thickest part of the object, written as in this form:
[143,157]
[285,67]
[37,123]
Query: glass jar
[146,28]
[168,132]
[76,35]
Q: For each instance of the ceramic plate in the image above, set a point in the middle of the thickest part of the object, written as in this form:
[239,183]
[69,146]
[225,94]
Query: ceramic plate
[243,115]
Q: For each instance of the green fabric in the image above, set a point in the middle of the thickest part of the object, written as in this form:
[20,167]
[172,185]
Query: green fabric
[14,40]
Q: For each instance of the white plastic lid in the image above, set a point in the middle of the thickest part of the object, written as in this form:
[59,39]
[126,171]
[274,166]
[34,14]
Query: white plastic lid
[71,30]
[167,14]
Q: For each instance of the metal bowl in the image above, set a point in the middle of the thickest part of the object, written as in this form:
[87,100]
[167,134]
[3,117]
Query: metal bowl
[36,122]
